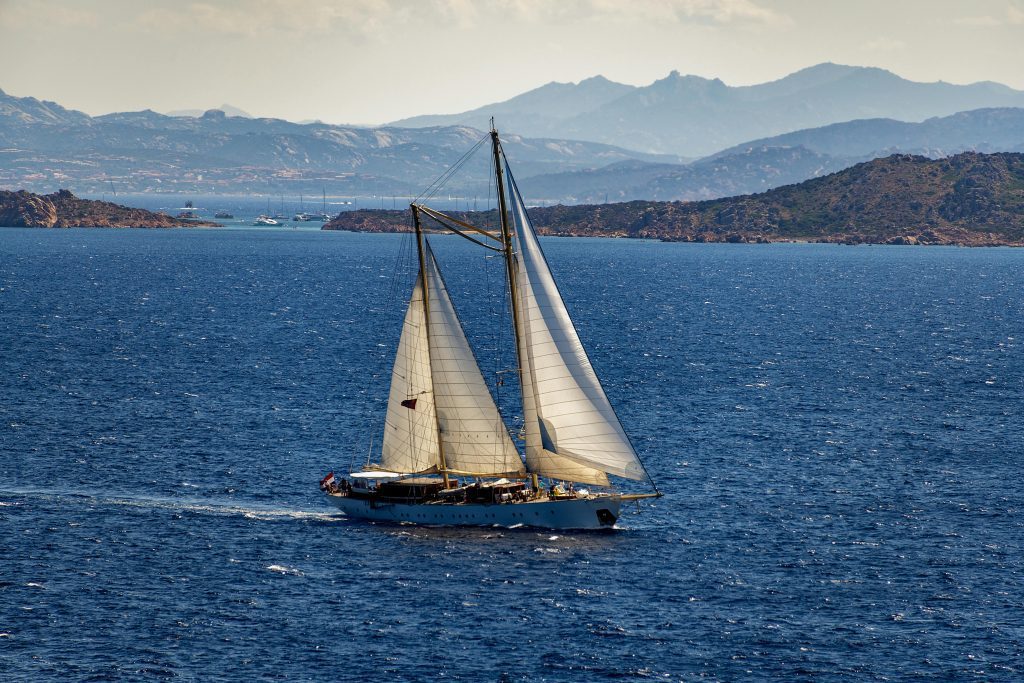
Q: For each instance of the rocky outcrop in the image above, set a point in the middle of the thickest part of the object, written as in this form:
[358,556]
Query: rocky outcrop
[63,209]
[26,210]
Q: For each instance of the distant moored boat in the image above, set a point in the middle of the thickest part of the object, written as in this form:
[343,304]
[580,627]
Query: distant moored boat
[187,212]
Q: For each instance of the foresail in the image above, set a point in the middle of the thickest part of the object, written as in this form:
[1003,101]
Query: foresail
[539,460]
[473,435]
[574,424]
[410,427]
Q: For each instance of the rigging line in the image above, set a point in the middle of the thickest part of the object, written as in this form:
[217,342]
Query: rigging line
[438,183]
[498,357]
[451,172]
[400,271]
[499,318]
[438,215]
[460,233]
[500,422]
[506,310]
[398,266]
[492,184]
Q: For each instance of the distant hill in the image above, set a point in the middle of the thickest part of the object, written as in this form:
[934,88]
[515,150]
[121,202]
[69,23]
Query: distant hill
[742,172]
[694,116]
[763,164]
[43,145]
[29,110]
[226,108]
[970,198]
[979,130]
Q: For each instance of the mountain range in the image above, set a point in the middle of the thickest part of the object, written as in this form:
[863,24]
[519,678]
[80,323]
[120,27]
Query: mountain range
[767,163]
[695,117]
[44,146]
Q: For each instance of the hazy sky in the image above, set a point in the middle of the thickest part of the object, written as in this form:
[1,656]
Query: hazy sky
[371,61]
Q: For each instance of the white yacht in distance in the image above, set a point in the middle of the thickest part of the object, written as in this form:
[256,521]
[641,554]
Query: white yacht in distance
[265,220]
[447,457]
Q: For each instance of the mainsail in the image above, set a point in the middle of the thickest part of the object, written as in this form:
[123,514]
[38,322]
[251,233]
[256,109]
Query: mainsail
[473,435]
[571,432]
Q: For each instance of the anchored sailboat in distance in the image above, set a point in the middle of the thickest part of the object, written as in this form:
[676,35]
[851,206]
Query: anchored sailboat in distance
[447,456]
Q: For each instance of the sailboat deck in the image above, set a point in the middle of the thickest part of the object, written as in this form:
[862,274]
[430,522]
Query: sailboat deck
[430,491]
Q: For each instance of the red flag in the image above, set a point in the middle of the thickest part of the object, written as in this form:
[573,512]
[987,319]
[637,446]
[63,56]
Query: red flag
[409,403]
[327,481]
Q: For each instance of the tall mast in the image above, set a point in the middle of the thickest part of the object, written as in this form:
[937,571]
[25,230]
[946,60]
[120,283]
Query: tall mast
[426,316]
[506,238]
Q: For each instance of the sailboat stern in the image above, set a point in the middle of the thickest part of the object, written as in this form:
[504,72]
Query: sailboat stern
[605,517]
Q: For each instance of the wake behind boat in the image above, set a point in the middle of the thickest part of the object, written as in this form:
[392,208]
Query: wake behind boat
[447,456]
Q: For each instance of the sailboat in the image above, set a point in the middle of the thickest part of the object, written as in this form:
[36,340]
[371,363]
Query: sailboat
[323,216]
[187,212]
[447,457]
[279,216]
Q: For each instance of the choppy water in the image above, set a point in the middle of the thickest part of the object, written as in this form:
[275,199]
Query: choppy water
[838,432]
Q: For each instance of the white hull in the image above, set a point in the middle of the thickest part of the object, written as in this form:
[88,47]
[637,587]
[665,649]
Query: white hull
[599,512]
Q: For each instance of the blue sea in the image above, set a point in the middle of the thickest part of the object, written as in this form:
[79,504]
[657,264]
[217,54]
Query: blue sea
[837,430]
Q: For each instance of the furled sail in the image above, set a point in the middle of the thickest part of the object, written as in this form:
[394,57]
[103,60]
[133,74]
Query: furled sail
[474,437]
[572,431]
[410,427]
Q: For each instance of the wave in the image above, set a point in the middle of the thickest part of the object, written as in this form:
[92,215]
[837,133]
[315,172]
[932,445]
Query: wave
[202,506]
[281,569]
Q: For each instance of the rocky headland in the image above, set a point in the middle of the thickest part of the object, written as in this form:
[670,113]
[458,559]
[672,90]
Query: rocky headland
[63,209]
[969,199]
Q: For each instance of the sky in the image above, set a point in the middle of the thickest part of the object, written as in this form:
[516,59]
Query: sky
[374,61]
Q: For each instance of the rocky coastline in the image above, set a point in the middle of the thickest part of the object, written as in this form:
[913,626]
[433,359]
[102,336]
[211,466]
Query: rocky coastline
[969,199]
[62,209]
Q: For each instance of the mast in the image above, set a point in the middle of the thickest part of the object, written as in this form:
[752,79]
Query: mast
[506,238]
[426,316]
